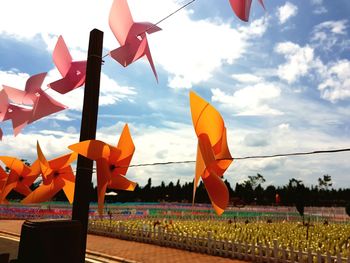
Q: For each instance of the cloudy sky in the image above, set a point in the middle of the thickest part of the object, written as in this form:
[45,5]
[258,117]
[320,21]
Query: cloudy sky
[281,82]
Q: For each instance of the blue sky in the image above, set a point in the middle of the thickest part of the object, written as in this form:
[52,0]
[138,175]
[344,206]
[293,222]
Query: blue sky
[281,82]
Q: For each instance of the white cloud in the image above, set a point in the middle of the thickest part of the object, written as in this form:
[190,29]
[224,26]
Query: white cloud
[318,8]
[13,78]
[332,78]
[251,100]
[53,144]
[299,61]
[181,48]
[195,51]
[110,92]
[336,27]
[247,78]
[330,36]
[61,116]
[336,83]
[285,12]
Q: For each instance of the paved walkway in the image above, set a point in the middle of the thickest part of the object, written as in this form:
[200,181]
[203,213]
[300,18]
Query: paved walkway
[130,250]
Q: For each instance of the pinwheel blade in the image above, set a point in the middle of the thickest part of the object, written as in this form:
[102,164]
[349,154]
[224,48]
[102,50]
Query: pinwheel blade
[262,4]
[203,114]
[241,8]
[20,117]
[200,169]
[69,185]
[33,84]
[3,175]
[73,79]
[145,27]
[61,56]
[119,182]
[7,189]
[103,176]
[127,147]
[15,165]
[120,20]
[224,158]
[14,95]
[129,52]
[22,188]
[217,191]
[44,106]
[92,149]
[44,164]
[150,60]
[62,161]
[35,168]
[44,192]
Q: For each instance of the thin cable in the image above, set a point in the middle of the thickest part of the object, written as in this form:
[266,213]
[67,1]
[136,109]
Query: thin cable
[238,158]
[173,13]
[292,154]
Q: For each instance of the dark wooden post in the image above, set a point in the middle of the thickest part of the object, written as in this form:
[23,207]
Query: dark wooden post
[88,132]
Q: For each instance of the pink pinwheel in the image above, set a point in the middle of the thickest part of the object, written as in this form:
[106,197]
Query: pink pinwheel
[73,73]
[19,115]
[32,95]
[130,35]
[242,8]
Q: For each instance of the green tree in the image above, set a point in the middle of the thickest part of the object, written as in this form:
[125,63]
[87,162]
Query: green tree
[325,182]
[256,180]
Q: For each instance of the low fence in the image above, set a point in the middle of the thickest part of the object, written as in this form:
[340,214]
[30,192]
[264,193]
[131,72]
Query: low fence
[208,245]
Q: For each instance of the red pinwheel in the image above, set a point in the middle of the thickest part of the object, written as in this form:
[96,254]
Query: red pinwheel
[130,35]
[242,8]
[20,116]
[73,73]
[42,104]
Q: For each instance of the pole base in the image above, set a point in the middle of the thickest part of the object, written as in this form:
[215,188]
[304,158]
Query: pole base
[53,241]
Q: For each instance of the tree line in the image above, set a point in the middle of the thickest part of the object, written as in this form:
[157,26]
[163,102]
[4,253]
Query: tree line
[249,192]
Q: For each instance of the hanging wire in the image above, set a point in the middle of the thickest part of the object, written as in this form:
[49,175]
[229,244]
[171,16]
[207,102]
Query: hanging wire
[173,13]
[236,158]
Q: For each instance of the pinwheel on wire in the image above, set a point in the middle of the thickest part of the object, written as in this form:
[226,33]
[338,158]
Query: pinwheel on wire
[111,163]
[213,155]
[57,174]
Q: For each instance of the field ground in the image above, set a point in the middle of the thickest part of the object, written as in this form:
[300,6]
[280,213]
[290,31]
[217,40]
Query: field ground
[129,250]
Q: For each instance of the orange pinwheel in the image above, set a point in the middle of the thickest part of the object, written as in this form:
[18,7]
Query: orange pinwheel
[111,163]
[57,174]
[20,178]
[213,155]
